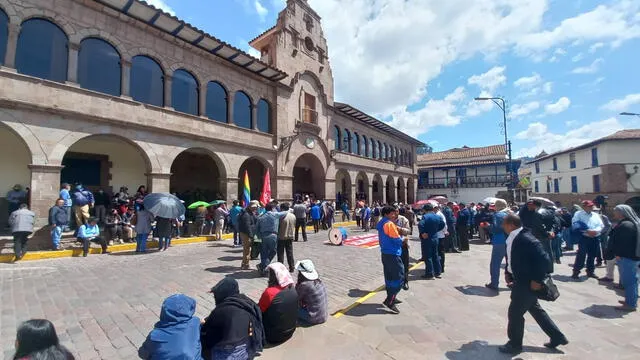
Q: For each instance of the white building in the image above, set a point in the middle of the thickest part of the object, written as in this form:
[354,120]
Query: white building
[607,166]
[465,174]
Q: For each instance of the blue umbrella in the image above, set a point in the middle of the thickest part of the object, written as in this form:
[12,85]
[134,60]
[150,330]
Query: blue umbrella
[164,205]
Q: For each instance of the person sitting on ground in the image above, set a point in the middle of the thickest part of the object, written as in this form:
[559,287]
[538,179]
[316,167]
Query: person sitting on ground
[279,305]
[113,225]
[177,334]
[234,328]
[91,232]
[37,339]
[312,294]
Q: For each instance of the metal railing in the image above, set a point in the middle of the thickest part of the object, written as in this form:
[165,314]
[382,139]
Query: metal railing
[309,116]
[464,182]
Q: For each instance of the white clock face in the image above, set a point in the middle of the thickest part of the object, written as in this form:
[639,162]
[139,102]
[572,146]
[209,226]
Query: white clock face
[310,142]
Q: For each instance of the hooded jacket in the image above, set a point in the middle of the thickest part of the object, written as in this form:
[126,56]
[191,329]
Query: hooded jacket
[177,334]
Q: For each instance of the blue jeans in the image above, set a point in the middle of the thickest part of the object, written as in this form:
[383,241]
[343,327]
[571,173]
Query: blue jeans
[236,235]
[498,253]
[629,280]
[430,255]
[164,243]
[268,249]
[69,222]
[303,316]
[56,235]
[587,247]
[239,352]
[141,242]
[556,246]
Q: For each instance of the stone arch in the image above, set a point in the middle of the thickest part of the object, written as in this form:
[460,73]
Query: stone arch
[297,148]
[38,155]
[402,190]
[34,12]
[377,188]
[344,184]
[308,175]
[102,35]
[362,186]
[10,10]
[187,67]
[390,190]
[321,90]
[256,167]
[198,174]
[152,54]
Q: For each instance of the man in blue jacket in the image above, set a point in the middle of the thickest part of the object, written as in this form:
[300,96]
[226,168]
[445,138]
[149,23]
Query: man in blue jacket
[462,226]
[366,218]
[391,249]
[234,215]
[429,227]
[316,216]
[498,243]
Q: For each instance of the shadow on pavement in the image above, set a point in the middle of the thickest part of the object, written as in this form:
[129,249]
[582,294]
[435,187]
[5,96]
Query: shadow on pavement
[234,272]
[603,312]
[480,350]
[475,290]
[367,309]
[230,258]
[357,293]
[563,278]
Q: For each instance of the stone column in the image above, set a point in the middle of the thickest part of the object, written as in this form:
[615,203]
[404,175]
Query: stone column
[352,196]
[159,182]
[369,190]
[168,81]
[230,188]
[330,189]
[12,46]
[45,190]
[72,69]
[230,100]
[383,186]
[202,101]
[126,78]
[254,117]
[284,188]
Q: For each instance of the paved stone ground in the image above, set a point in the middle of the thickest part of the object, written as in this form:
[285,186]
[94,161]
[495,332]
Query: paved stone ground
[103,306]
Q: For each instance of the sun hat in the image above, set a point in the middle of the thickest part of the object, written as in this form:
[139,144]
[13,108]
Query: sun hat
[254,204]
[307,269]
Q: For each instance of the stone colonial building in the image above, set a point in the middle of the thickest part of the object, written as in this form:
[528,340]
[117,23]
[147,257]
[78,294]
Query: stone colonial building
[116,93]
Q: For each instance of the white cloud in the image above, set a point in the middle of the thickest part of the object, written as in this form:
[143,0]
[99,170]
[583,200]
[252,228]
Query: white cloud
[477,107]
[593,48]
[578,57]
[544,89]
[623,104]
[434,113]
[552,142]
[160,4]
[590,69]
[260,9]
[528,81]
[559,106]
[490,80]
[547,87]
[612,23]
[571,123]
[519,110]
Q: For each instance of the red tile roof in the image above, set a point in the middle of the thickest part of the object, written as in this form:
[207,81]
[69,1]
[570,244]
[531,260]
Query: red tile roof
[493,152]
[449,164]
[628,134]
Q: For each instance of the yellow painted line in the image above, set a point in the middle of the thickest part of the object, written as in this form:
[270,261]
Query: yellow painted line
[42,255]
[340,313]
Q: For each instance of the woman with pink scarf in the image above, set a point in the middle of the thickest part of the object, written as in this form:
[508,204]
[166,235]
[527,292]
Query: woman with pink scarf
[279,305]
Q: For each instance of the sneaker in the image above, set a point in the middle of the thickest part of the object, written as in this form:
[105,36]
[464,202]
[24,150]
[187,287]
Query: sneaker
[555,343]
[489,286]
[110,242]
[405,286]
[121,241]
[438,276]
[391,306]
[626,308]
[606,279]
[575,275]
[427,277]
[397,301]
[244,267]
[593,276]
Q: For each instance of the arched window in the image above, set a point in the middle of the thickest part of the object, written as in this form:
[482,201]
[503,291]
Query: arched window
[364,146]
[386,153]
[355,147]
[242,111]
[264,116]
[346,141]
[99,67]
[4,35]
[43,50]
[184,92]
[380,151]
[337,137]
[217,101]
[147,81]
[371,152]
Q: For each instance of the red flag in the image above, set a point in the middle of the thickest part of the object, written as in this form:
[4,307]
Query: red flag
[265,196]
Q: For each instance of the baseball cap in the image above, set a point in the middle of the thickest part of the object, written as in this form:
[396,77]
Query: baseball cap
[587,203]
[307,269]
[254,204]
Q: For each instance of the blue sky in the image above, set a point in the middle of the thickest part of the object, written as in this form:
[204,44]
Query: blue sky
[566,68]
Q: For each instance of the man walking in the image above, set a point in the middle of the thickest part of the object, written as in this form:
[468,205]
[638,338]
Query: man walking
[82,200]
[527,265]
[267,228]
[587,226]
[498,243]
[365,215]
[234,217]
[316,216]
[59,221]
[442,234]
[451,240]
[68,203]
[391,248]
[285,236]
[21,222]
[429,228]
[462,227]
[300,212]
[247,230]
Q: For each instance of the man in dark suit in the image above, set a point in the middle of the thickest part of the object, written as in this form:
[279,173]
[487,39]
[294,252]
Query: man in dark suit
[527,266]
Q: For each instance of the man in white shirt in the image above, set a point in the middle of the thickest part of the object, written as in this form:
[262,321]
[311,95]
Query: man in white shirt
[441,235]
[587,225]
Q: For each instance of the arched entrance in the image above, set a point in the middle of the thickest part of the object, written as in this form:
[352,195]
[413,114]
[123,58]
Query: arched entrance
[402,191]
[362,187]
[377,188]
[634,202]
[390,190]
[411,199]
[105,162]
[255,169]
[15,158]
[343,186]
[196,176]
[308,177]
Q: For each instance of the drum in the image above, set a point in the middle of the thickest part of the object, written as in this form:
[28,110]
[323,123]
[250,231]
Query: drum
[337,235]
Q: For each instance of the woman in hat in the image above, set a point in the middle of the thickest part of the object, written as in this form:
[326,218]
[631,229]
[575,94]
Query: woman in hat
[312,294]
[279,305]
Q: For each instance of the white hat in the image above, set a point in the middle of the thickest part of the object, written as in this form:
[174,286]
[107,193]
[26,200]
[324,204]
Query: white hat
[307,269]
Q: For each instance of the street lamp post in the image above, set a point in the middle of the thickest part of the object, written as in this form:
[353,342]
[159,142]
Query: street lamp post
[507,144]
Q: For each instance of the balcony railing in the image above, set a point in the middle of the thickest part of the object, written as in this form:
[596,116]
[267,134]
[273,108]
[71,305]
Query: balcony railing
[309,116]
[464,182]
